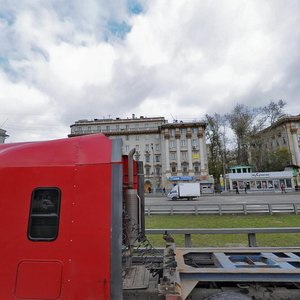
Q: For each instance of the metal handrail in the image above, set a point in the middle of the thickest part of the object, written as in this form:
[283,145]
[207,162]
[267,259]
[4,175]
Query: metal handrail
[217,208]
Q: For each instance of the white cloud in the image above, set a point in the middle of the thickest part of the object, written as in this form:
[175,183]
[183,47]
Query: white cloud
[184,58]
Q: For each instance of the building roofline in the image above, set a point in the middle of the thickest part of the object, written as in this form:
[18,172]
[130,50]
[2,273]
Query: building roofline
[283,120]
[118,120]
[184,125]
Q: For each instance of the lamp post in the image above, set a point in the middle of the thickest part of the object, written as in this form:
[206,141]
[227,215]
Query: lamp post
[154,175]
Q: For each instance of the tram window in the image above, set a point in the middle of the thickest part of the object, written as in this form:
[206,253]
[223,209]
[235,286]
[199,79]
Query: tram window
[288,183]
[44,214]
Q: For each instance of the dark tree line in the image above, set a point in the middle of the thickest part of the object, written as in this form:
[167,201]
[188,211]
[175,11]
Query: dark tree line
[231,135]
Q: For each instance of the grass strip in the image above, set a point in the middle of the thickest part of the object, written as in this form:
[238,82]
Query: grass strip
[227,221]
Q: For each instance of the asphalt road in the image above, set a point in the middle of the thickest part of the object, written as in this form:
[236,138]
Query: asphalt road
[232,199]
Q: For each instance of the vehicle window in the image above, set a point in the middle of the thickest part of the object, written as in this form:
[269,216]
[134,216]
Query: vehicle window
[44,214]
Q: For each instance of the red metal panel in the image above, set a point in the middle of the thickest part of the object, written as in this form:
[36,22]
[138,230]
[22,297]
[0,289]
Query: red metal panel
[83,242]
[38,280]
[125,172]
[87,149]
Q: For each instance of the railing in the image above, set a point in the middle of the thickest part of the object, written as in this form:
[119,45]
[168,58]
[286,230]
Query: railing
[251,232]
[224,208]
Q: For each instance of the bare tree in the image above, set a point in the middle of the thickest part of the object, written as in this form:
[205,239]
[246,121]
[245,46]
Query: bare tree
[273,111]
[241,121]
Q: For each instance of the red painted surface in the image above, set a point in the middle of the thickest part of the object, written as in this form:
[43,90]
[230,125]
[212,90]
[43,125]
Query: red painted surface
[39,280]
[81,169]
[125,172]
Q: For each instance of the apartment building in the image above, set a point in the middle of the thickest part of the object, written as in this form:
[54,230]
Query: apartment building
[3,136]
[170,152]
[285,133]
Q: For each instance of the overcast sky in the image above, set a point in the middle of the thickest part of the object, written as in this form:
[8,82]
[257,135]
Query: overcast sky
[62,60]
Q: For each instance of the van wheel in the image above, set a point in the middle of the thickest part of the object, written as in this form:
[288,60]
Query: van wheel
[174,198]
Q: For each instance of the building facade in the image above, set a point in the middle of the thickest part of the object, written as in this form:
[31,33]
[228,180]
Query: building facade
[3,136]
[285,133]
[241,179]
[170,152]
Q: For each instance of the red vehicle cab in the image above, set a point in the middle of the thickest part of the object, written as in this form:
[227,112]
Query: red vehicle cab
[61,214]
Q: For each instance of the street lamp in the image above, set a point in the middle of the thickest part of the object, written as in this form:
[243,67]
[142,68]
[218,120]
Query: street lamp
[154,175]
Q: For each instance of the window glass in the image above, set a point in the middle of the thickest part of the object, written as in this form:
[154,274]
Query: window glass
[288,183]
[258,184]
[270,184]
[44,214]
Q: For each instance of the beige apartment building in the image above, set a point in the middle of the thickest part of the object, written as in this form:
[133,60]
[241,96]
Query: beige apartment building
[170,152]
[285,133]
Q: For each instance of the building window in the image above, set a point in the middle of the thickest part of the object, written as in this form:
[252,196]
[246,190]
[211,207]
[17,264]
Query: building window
[194,130]
[157,147]
[194,143]
[157,171]
[147,158]
[173,169]
[184,155]
[182,143]
[172,144]
[147,171]
[126,137]
[44,214]
[147,137]
[147,147]
[127,148]
[99,128]
[107,128]
[182,131]
[137,147]
[137,137]
[173,156]
[157,158]
[127,127]
[185,169]
[172,132]
[157,136]
[89,129]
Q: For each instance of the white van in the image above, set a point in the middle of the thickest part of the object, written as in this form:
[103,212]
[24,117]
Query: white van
[187,190]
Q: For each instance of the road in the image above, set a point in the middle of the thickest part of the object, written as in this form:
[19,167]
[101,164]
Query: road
[232,199]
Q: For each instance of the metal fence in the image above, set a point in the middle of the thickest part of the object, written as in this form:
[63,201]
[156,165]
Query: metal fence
[251,232]
[225,208]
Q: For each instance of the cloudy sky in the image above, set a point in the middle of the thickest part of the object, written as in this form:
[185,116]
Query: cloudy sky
[63,60]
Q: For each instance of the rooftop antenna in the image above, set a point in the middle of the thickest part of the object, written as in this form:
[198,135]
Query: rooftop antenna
[174,120]
[3,123]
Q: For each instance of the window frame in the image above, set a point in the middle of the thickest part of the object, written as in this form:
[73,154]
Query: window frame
[48,216]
